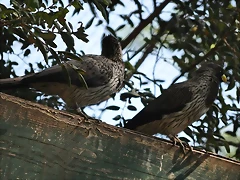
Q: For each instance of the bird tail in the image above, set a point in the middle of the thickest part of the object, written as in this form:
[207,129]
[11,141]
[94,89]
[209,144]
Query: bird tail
[11,83]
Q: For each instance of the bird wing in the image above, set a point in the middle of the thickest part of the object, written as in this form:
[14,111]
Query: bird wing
[171,100]
[95,72]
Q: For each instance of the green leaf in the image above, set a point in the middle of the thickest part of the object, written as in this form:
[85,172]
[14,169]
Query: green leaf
[70,25]
[101,9]
[70,55]
[77,6]
[231,84]
[55,55]
[125,96]
[81,36]
[60,15]
[130,22]
[129,66]
[44,17]
[184,139]
[51,43]
[50,36]
[114,108]
[116,118]
[68,39]
[33,4]
[99,22]
[80,75]
[188,131]
[27,52]
[19,32]
[129,84]
[231,133]
[238,94]
[111,30]
[227,147]
[212,46]
[89,23]
[120,27]
[179,61]
[41,47]
[107,2]
[132,108]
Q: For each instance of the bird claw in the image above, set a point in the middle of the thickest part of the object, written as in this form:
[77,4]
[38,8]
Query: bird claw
[84,115]
[81,113]
[182,144]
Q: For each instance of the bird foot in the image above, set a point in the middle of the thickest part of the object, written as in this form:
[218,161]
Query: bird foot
[85,116]
[182,144]
[81,112]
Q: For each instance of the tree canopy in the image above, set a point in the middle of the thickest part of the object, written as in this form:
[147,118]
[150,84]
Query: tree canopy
[195,31]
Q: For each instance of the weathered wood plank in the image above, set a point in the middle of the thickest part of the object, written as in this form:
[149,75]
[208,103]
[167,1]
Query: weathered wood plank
[41,143]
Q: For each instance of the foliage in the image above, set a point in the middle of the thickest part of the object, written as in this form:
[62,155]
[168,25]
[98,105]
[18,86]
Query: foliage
[200,30]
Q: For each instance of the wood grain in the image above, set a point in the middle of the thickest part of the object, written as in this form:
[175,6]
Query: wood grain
[37,142]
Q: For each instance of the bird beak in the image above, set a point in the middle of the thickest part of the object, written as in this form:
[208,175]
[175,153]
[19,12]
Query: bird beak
[224,78]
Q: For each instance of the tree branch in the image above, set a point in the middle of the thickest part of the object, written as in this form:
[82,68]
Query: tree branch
[144,23]
[231,48]
[209,53]
[148,50]
[201,59]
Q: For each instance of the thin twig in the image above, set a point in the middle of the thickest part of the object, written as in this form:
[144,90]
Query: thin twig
[231,48]
[148,50]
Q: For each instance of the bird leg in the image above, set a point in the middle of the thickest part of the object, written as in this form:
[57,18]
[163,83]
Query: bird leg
[83,114]
[183,145]
[80,112]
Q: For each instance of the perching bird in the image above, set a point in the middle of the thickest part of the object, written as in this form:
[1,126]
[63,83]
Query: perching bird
[181,104]
[104,75]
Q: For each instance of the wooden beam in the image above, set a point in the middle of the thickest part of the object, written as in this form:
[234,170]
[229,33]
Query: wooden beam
[37,142]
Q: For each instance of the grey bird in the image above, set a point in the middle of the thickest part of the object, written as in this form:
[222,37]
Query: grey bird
[181,104]
[103,74]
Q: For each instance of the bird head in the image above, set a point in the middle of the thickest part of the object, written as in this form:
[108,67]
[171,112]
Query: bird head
[211,69]
[111,48]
